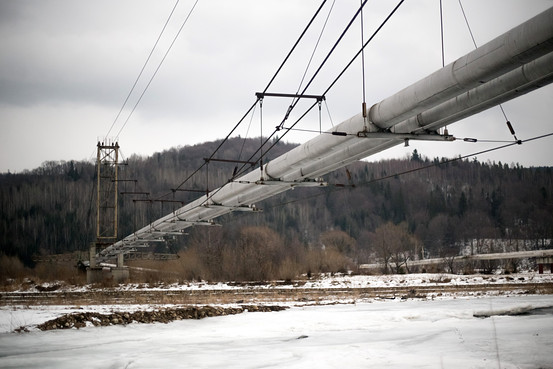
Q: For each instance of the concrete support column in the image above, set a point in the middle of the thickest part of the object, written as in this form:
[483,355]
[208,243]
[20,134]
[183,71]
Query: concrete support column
[120,274]
[92,255]
[120,260]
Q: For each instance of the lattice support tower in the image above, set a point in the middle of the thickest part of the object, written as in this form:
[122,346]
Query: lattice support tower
[106,200]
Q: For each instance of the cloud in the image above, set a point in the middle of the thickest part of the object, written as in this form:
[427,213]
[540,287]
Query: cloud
[67,67]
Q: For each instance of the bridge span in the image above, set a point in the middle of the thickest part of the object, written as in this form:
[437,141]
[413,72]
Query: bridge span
[515,63]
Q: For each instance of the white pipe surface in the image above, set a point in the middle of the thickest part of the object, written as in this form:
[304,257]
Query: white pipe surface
[514,48]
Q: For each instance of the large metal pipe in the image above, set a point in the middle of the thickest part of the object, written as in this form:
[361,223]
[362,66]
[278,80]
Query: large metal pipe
[333,154]
[514,48]
[517,82]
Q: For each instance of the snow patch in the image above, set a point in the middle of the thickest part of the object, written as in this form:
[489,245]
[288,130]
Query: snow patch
[382,334]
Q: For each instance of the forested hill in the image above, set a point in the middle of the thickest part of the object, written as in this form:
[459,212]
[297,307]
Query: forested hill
[51,209]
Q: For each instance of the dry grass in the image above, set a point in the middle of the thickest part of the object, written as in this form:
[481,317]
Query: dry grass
[11,268]
[191,266]
[52,272]
[187,267]
[13,273]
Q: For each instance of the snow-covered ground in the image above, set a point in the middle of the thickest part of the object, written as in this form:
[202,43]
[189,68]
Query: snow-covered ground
[440,333]
[425,279]
[449,331]
[332,281]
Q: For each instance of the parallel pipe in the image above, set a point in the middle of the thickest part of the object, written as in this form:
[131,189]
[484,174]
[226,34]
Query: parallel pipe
[514,48]
[515,83]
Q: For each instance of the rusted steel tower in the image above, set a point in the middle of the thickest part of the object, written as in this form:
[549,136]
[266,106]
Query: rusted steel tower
[106,214]
[106,201]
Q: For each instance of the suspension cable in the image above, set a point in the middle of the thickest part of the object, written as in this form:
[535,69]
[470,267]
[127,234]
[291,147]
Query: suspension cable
[320,117]
[247,133]
[255,103]
[241,170]
[142,70]
[442,40]
[364,45]
[295,45]
[509,125]
[330,86]
[157,69]
[315,48]
[261,136]
[442,33]
[215,151]
[336,188]
[354,57]
[295,100]
[329,116]
[364,104]
[468,25]
[402,173]
[279,127]
[335,45]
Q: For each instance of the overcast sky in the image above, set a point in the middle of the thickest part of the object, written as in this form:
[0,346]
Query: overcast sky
[67,66]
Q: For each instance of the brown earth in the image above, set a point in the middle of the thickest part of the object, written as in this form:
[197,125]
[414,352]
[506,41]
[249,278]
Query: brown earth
[267,295]
[249,297]
[80,320]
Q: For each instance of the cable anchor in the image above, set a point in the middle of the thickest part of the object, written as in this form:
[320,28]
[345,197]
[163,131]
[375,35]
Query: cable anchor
[511,129]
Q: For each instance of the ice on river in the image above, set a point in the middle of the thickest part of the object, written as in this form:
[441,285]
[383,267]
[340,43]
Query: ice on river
[378,334]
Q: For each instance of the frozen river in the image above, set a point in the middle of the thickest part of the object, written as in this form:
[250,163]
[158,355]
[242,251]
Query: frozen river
[379,334]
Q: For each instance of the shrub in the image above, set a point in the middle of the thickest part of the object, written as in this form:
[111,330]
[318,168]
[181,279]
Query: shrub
[11,268]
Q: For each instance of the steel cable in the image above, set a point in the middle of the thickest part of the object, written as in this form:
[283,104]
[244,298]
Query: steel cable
[252,107]
[424,167]
[157,69]
[142,70]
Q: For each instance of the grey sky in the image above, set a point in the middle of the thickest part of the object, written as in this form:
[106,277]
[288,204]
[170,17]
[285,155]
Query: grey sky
[67,66]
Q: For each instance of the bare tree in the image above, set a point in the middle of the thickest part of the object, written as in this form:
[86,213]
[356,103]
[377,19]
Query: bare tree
[339,240]
[393,244]
[255,255]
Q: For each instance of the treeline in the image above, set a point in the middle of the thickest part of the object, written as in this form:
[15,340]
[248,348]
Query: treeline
[390,210]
